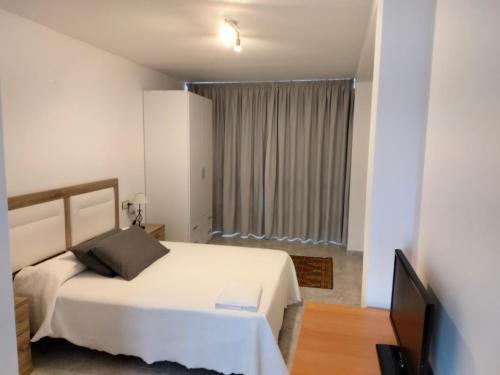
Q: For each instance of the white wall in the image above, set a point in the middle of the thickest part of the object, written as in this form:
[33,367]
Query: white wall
[359,165]
[360,138]
[72,112]
[8,345]
[399,110]
[458,253]
[364,71]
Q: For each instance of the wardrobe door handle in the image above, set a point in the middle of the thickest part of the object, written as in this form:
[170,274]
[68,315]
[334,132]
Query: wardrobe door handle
[195,227]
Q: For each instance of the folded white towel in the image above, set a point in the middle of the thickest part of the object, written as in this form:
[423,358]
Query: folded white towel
[240,296]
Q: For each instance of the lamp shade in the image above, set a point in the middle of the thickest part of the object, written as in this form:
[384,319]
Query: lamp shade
[140,198]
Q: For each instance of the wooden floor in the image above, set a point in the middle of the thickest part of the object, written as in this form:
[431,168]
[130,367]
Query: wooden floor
[341,340]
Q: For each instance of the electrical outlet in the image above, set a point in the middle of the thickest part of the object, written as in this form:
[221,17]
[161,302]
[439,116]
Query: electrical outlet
[125,205]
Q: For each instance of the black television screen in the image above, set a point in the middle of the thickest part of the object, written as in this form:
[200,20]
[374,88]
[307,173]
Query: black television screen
[411,314]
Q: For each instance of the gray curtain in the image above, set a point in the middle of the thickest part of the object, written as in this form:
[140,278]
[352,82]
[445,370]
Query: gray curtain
[282,158]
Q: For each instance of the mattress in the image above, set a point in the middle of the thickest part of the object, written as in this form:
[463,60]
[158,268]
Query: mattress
[168,311]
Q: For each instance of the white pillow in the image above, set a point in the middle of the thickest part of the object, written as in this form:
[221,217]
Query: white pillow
[41,284]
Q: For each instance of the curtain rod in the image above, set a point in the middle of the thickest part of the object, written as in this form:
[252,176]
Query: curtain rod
[278,81]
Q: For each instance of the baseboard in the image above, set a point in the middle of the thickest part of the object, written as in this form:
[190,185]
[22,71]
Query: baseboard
[351,252]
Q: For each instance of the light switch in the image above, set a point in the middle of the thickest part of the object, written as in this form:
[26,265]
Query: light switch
[125,205]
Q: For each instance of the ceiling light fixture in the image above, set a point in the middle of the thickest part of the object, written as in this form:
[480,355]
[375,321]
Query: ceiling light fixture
[237,45]
[230,34]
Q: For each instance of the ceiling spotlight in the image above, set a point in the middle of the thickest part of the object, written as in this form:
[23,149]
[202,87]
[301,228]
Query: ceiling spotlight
[230,34]
[237,46]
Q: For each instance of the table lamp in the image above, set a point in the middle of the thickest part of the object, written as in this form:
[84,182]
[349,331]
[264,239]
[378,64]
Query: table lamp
[138,200]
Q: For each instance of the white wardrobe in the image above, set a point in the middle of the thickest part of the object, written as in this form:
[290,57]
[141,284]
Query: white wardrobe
[178,161]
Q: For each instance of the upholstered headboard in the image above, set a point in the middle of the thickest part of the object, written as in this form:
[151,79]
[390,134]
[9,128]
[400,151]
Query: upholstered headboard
[47,223]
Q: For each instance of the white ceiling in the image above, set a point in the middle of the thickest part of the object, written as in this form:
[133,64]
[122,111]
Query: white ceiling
[281,39]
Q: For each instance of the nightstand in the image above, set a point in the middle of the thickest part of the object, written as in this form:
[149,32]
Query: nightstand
[23,335]
[156,230]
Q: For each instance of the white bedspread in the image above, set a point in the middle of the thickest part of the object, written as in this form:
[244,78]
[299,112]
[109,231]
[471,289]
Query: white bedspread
[41,284]
[168,312]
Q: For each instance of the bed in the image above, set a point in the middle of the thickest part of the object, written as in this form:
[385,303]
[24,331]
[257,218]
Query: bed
[165,313]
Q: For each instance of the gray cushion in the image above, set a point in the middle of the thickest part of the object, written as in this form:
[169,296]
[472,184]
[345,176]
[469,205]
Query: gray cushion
[84,254]
[129,252]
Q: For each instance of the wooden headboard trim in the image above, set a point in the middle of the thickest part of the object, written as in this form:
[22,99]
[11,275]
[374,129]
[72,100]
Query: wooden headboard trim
[31,199]
[65,193]
[67,222]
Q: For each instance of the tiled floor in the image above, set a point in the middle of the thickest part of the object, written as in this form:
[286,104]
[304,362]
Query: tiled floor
[57,357]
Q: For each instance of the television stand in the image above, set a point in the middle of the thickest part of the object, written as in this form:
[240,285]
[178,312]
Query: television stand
[390,360]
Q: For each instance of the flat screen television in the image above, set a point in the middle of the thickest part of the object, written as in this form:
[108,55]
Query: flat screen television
[411,318]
